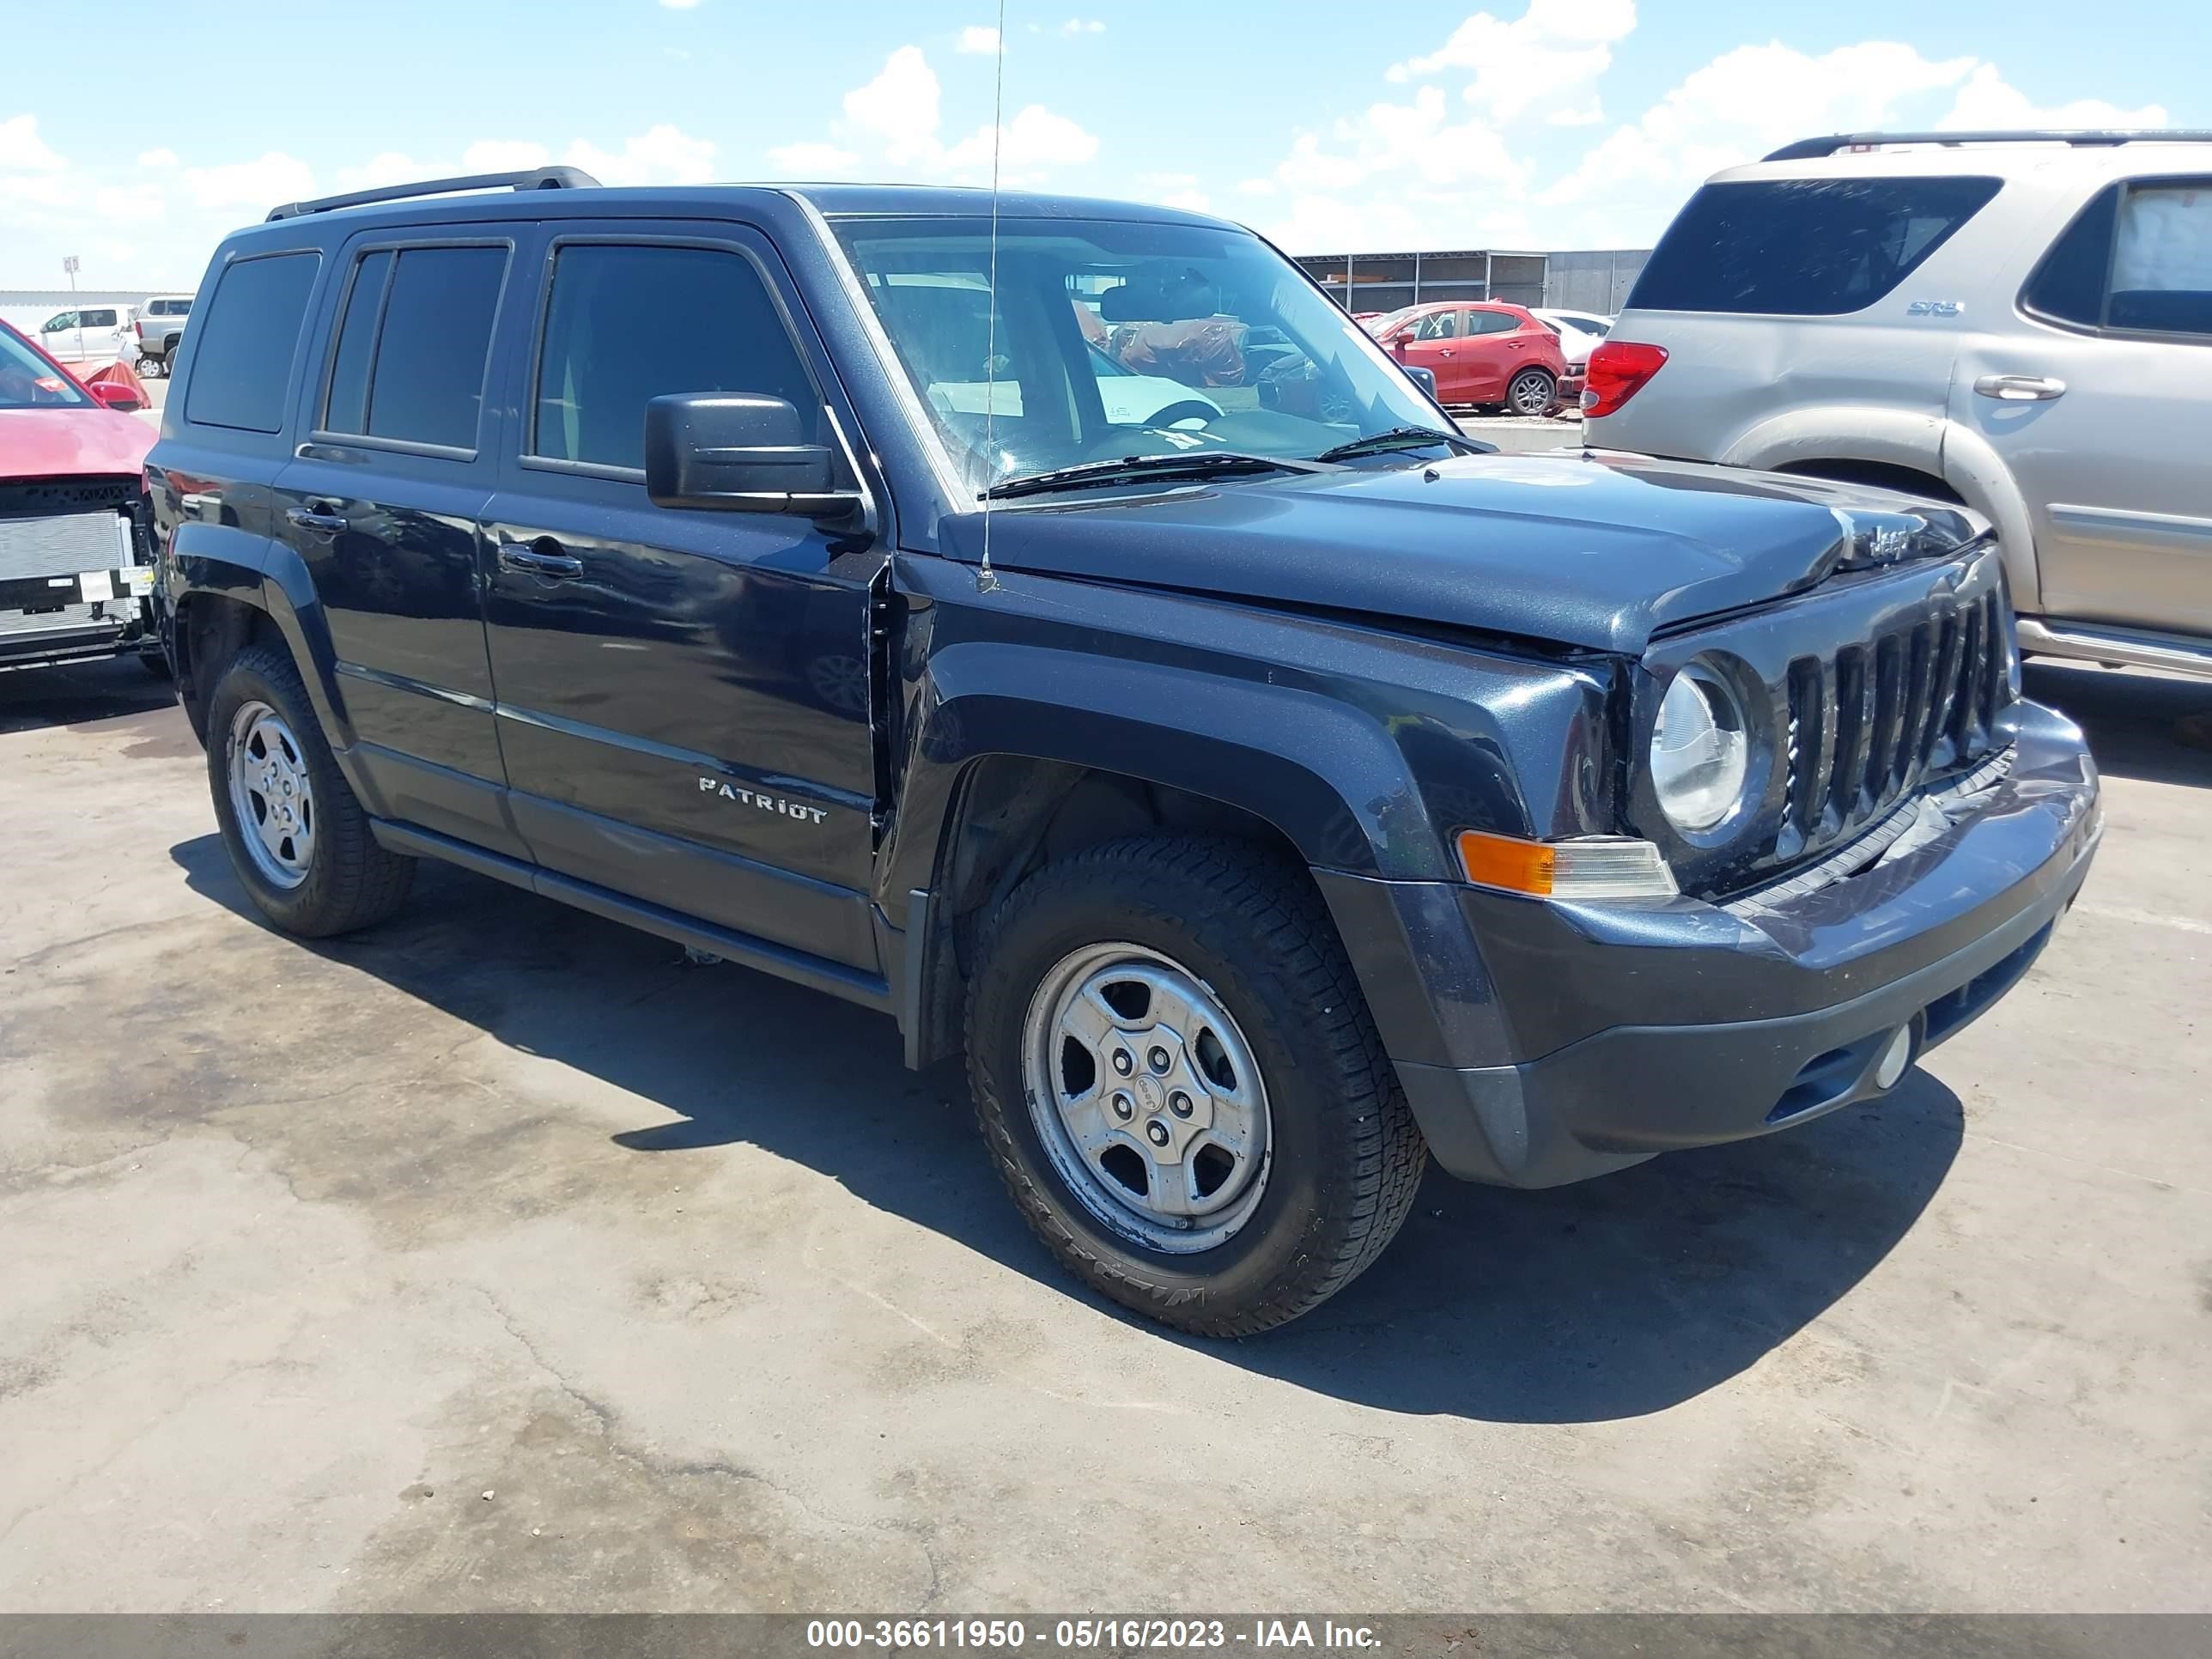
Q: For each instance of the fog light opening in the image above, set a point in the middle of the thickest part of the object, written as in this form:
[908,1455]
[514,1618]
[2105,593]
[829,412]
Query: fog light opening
[1894,1059]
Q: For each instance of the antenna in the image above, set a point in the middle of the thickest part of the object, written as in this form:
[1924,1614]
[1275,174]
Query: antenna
[985,581]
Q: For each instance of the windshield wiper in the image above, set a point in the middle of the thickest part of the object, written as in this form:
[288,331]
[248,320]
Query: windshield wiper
[1404,437]
[1091,475]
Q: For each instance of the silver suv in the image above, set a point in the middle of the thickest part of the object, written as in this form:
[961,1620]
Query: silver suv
[2021,321]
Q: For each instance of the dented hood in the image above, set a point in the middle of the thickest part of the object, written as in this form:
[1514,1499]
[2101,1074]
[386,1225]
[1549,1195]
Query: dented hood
[56,442]
[1578,549]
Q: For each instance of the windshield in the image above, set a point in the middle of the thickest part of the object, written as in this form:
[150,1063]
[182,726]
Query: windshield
[1112,340]
[29,381]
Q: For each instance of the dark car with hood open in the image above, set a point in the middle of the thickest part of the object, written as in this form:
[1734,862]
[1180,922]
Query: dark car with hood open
[1057,625]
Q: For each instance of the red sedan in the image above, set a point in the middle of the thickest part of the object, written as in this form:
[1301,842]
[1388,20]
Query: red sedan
[76,570]
[1494,356]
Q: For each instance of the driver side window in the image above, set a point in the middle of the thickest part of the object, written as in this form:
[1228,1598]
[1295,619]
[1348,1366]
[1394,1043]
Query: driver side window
[56,325]
[1438,325]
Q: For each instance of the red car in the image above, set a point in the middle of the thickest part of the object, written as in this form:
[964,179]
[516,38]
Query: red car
[1490,354]
[76,538]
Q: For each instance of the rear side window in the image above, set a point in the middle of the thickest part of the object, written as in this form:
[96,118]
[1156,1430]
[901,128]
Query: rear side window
[414,345]
[611,342]
[1492,322]
[247,340]
[2139,258]
[1812,247]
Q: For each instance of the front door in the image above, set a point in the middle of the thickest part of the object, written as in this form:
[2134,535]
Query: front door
[382,505]
[2085,400]
[1436,345]
[684,696]
[61,339]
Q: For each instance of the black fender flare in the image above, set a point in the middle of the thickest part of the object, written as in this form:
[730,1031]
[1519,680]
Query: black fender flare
[1325,774]
[229,562]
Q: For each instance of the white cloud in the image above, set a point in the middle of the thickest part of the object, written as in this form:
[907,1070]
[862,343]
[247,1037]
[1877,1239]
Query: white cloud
[1036,138]
[1986,102]
[157,158]
[1082,25]
[1175,189]
[662,154]
[899,107]
[979,41]
[1592,117]
[1397,174]
[897,119]
[810,161]
[253,187]
[1735,109]
[1555,50]
[21,150]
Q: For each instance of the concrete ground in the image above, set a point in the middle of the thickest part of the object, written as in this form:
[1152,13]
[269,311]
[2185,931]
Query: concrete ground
[500,1258]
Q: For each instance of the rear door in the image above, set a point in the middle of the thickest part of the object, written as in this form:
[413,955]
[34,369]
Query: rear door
[101,329]
[684,694]
[381,504]
[1493,350]
[2085,393]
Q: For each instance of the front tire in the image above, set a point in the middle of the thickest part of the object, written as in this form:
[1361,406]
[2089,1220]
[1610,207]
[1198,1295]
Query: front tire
[297,836]
[1177,1078]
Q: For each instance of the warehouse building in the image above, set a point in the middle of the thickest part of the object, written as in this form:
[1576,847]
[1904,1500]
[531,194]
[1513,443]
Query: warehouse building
[1583,280]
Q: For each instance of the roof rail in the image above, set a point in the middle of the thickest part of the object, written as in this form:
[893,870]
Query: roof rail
[1807,149]
[537,179]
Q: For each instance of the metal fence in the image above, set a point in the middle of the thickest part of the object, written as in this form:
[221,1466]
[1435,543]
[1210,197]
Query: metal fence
[1596,281]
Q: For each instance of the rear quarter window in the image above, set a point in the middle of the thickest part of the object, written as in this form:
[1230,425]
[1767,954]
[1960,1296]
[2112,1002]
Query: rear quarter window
[1803,247]
[248,342]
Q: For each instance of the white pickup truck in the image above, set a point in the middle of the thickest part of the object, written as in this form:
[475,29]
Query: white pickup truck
[158,325]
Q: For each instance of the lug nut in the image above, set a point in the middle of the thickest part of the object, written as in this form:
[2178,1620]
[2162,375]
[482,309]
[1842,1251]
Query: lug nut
[1124,1108]
[1157,1133]
[1179,1103]
[1122,1063]
[1159,1059]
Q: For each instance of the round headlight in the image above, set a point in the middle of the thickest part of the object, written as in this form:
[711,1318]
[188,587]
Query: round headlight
[1700,750]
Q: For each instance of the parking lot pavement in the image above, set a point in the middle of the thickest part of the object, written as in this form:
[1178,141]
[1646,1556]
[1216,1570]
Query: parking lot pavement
[500,1258]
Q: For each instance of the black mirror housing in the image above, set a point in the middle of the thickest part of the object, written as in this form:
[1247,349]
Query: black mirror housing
[739,452]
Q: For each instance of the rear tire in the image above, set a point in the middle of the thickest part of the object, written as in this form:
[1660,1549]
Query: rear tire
[1533,392]
[1247,996]
[297,836]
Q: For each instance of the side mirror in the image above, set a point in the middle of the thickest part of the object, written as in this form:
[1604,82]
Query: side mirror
[112,394]
[1423,378]
[742,451]
[1401,340]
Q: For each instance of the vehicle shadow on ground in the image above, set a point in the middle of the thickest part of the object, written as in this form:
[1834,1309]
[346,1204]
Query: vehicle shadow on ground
[78,693]
[2157,728]
[1611,1299]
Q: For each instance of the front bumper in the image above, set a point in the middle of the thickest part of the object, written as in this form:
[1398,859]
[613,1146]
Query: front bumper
[1541,1044]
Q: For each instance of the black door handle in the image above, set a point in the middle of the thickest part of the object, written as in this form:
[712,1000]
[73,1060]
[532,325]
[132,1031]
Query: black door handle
[542,558]
[309,519]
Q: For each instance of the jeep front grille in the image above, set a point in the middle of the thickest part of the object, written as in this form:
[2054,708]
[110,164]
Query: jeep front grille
[1878,717]
[1864,691]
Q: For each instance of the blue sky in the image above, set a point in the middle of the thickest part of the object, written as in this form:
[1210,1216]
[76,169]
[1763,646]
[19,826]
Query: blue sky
[1531,123]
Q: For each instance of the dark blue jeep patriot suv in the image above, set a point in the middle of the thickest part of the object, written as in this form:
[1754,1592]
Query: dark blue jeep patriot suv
[1063,628]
